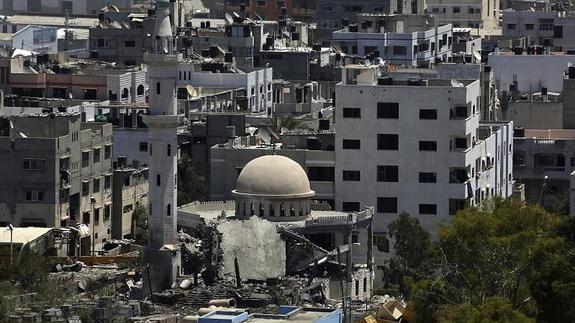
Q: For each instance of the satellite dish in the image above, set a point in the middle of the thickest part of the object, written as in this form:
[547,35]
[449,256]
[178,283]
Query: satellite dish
[265,135]
[192,91]
[456,83]
[229,19]
[284,130]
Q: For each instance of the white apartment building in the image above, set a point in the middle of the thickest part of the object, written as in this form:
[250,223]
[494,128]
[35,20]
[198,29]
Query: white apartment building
[416,146]
[256,81]
[545,28]
[481,14]
[403,40]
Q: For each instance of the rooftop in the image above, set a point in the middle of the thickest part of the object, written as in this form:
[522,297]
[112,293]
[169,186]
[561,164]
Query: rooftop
[22,235]
[58,21]
[550,133]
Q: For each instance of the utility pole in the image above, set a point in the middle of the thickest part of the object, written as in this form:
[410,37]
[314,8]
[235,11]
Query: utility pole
[11,228]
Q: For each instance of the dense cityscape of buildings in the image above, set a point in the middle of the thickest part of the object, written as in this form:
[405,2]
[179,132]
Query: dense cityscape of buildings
[283,134]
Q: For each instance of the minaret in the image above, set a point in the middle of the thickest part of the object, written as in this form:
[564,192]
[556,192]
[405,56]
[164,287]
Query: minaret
[162,253]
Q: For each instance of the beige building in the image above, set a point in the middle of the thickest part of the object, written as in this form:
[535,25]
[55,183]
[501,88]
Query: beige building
[480,14]
[57,174]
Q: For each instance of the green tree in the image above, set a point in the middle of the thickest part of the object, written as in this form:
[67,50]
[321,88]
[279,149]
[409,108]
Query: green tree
[492,310]
[508,260]
[412,246]
[30,270]
[190,184]
[140,220]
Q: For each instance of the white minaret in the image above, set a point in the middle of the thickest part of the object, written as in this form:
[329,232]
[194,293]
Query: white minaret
[162,253]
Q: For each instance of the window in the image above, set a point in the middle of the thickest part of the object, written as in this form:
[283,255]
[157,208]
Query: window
[107,151]
[461,112]
[130,43]
[428,146]
[321,174]
[169,210]
[387,204]
[33,164]
[351,175]
[352,113]
[96,185]
[460,143]
[456,9]
[511,26]
[96,155]
[158,88]
[427,114]
[456,205]
[399,50]
[85,158]
[90,94]
[128,208]
[557,31]
[458,175]
[427,208]
[387,141]
[546,24]
[143,145]
[381,242]
[107,182]
[34,196]
[85,188]
[140,90]
[351,144]
[350,206]
[158,180]
[96,216]
[427,177]
[169,150]
[387,110]
[529,26]
[107,213]
[388,173]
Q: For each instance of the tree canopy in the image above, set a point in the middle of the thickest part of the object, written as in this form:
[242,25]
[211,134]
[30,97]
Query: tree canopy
[504,262]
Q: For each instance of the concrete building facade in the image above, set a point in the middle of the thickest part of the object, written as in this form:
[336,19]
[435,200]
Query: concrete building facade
[402,40]
[60,174]
[417,147]
[544,28]
[480,14]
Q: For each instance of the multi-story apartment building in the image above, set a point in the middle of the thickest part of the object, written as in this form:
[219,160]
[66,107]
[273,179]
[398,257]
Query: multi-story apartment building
[72,7]
[331,15]
[545,28]
[129,189]
[416,146]
[543,161]
[481,14]
[57,173]
[302,10]
[403,40]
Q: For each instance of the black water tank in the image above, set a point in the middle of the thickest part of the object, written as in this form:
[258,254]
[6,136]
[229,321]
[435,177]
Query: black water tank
[385,80]
[122,161]
[316,47]
[571,71]
[352,28]
[313,143]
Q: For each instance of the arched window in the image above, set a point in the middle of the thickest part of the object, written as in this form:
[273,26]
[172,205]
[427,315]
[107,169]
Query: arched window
[125,93]
[140,89]
[261,210]
[252,211]
[291,211]
[158,180]
[158,88]
[169,210]
[244,207]
[282,210]
[169,150]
